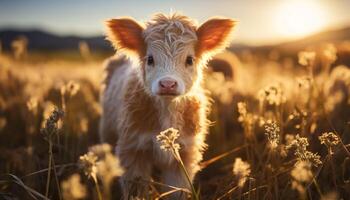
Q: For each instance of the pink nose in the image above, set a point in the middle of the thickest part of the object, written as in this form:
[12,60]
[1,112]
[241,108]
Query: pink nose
[167,86]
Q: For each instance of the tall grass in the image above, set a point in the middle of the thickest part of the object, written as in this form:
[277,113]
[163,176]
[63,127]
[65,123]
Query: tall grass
[281,131]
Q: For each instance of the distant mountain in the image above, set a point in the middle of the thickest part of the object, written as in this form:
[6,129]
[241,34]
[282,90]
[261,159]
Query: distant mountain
[290,47]
[40,40]
[326,36]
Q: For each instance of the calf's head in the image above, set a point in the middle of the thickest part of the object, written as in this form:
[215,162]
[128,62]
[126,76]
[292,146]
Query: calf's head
[171,49]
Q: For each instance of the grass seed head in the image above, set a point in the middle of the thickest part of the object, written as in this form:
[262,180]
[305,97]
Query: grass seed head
[272,95]
[306,58]
[301,175]
[329,54]
[108,165]
[168,138]
[51,124]
[329,139]
[246,118]
[88,163]
[32,105]
[71,88]
[273,134]
[72,188]
[241,170]
[101,162]
[299,144]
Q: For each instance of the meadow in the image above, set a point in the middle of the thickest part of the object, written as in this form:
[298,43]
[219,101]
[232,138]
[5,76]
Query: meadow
[280,126]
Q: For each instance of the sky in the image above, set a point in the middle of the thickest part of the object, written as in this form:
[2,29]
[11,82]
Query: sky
[259,21]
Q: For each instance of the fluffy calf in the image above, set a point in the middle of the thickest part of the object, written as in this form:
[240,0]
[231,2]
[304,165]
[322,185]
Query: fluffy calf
[154,83]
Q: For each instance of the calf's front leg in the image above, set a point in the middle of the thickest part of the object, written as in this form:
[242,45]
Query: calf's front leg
[137,174]
[175,176]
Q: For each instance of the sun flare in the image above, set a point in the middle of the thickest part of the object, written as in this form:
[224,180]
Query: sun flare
[299,18]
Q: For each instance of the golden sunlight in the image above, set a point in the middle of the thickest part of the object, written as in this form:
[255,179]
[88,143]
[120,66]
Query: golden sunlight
[299,18]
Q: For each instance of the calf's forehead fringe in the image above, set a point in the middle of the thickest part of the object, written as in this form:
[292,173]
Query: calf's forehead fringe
[170,34]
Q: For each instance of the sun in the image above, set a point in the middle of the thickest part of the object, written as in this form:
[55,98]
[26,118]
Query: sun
[297,18]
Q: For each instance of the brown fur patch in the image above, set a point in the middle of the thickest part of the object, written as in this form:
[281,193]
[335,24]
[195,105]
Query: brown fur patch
[141,109]
[191,116]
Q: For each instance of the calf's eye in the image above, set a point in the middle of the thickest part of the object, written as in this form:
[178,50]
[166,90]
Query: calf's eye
[150,60]
[189,61]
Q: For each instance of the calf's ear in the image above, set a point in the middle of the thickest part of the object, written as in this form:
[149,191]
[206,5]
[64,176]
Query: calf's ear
[214,35]
[126,34]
